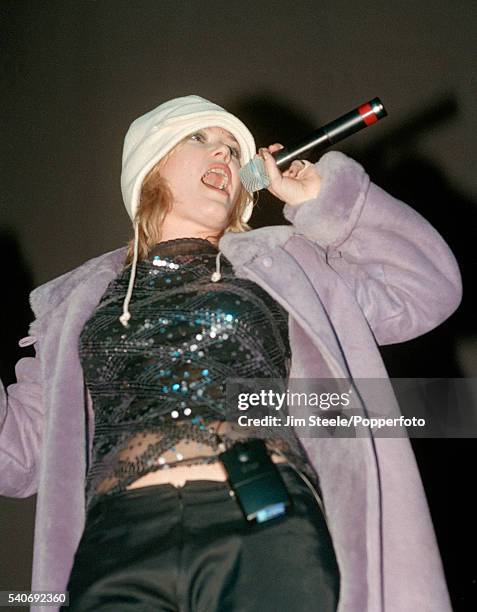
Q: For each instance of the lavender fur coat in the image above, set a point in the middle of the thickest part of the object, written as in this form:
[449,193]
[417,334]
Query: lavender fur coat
[357,268]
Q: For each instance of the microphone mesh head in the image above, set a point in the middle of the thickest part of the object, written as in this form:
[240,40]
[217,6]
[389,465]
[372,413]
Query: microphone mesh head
[253,175]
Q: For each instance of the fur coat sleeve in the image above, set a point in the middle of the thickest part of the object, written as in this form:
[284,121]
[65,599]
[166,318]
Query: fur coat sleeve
[397,266]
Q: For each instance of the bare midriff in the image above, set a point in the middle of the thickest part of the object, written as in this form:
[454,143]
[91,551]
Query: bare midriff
[180,474]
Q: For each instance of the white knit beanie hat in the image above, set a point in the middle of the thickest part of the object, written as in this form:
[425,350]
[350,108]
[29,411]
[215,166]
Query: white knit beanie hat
[153,135]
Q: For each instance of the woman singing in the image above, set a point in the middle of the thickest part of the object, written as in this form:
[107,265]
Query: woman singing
[120,423]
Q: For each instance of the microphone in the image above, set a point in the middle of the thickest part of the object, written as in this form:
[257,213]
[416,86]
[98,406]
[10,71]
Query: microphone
[254,175]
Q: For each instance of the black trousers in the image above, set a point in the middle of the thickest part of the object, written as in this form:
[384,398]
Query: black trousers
[163,548]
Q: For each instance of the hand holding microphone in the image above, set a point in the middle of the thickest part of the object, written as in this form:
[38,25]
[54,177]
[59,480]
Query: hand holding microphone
[300,182]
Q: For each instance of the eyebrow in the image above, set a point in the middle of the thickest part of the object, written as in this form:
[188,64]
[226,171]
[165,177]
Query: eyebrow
[233,139]
[229,136]
[235,143]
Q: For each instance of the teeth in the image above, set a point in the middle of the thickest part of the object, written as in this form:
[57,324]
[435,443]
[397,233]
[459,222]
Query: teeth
[225,179]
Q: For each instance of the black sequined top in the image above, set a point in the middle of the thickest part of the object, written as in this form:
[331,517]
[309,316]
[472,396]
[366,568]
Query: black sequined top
[158,386]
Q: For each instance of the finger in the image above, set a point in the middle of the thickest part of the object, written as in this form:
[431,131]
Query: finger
[297,165]
[295,168]
[276,146]
[270,165]
[305,164]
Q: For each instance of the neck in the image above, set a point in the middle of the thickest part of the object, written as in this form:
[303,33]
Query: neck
[171,231]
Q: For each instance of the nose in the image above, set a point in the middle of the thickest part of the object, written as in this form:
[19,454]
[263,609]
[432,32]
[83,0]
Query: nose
[222,151]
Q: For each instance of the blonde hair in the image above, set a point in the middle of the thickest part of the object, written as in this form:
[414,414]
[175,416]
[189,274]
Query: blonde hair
[155,202]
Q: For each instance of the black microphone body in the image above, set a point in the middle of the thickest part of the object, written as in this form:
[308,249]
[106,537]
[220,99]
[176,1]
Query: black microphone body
[333,132]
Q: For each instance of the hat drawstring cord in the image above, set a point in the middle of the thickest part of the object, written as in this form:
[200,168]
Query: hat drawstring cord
[124,318]
[216,276]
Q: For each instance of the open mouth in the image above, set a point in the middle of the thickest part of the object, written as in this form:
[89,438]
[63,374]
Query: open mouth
[216,178]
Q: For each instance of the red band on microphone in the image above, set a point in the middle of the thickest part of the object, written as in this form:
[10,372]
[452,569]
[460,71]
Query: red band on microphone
[367,113]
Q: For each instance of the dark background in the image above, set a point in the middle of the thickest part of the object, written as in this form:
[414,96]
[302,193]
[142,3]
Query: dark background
[74,74]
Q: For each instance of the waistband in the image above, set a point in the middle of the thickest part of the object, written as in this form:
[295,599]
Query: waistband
[195,491]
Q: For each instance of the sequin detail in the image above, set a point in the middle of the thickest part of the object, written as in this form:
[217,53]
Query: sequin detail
[158,387]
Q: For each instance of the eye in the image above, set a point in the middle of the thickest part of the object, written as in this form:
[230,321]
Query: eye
[199,136]
[235,151]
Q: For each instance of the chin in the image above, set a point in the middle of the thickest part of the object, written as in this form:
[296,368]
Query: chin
[218,210]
